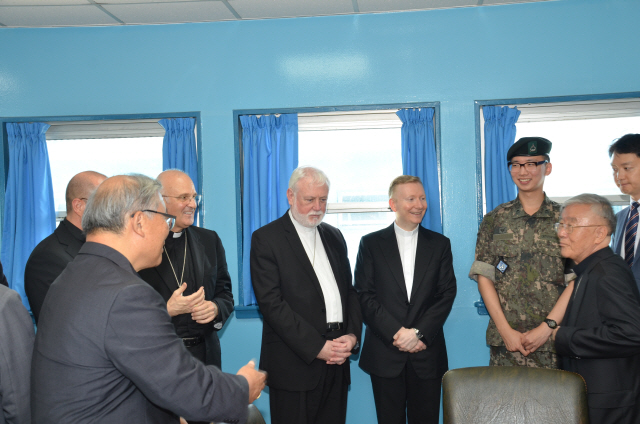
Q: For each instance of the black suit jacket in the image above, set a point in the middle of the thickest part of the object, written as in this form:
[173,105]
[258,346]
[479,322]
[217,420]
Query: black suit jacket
[386,307]
[49,258]
[292,304]
[211,272]
[599,337]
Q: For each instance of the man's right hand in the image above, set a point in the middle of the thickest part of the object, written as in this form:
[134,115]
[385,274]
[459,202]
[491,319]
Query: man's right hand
[513,341]
[179,304]
[257,380]
[327,351]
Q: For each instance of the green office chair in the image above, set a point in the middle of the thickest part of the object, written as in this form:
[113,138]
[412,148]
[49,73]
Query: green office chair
[514,395]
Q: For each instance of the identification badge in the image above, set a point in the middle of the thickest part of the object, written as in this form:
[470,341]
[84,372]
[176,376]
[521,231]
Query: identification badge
[502,265]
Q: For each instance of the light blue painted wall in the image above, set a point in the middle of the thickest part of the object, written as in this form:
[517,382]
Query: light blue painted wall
[455,56]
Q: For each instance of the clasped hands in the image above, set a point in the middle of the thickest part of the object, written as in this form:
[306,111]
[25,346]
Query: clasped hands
[406,340]
[528,342]
[202,311]
[336,351]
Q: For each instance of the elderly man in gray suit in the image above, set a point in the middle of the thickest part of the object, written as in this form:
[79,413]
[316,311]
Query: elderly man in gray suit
[106,350]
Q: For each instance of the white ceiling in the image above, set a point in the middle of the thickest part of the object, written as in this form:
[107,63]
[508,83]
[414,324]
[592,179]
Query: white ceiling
[54,13]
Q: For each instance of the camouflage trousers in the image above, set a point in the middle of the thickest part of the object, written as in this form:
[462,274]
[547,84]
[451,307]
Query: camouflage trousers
[500,356]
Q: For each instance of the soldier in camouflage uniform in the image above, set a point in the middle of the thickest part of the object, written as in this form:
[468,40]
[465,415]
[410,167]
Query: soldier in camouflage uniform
[518,266]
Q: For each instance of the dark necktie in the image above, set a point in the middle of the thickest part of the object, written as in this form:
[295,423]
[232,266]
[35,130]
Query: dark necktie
[630,234]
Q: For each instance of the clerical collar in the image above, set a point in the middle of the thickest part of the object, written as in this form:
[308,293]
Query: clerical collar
[404,233]
[177,235]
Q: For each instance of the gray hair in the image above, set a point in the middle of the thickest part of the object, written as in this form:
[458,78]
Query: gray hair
[109,206]
[317,177]
[599,205]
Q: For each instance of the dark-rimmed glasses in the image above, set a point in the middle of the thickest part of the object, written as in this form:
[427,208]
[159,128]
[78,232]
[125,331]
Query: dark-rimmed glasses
[528,166]
[170,219]
[187,198]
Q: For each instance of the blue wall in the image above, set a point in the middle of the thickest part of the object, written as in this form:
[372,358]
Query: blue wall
[454,56]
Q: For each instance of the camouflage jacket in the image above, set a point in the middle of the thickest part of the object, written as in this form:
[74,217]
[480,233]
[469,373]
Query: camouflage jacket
[534,279]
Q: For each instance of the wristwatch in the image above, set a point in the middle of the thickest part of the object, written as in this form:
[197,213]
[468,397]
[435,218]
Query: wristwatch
[418,334]
[551,323]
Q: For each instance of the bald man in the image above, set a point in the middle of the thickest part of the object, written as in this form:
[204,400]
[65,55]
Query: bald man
[192,278]
[51,256]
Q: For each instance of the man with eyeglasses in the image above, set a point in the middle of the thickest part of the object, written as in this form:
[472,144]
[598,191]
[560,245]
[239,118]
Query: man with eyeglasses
[599,337]
[518,266]
[51,255]
[106,350]
[193,277]
[625,162]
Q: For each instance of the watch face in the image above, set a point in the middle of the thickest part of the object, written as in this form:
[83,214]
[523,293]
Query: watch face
[551,323]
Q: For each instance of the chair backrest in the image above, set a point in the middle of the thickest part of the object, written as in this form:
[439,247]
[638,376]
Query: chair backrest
[513,395]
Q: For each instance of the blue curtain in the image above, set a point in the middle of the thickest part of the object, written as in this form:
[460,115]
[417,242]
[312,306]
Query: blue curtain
[270,148]
[29,209]
[179,149]
[499,136]
[420,160]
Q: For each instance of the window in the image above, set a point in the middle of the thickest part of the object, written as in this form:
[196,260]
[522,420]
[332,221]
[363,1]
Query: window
[110,147]
[581,133]
[360,153]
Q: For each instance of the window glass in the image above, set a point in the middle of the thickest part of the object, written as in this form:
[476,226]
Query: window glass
[111,156]
[580,153]
[360,165]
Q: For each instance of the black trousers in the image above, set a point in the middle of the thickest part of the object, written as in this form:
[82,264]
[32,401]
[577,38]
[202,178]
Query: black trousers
[407,396]
[199,352]
[325,404]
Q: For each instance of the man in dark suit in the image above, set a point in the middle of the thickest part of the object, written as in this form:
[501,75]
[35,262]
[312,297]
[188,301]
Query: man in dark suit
[625,161]
[16,345]
[106,350]
[406,285]
[192,278]
[52,254]
[599,337]
[312,321]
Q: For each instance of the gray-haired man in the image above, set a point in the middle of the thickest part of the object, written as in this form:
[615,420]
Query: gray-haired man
[106,351]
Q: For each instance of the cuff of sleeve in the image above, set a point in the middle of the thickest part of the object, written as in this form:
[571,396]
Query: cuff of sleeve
[484,269]
[569,277]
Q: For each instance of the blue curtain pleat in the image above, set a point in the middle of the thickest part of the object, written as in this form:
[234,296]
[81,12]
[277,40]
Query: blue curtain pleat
[420,160]
[270,147]
[179,149]
[499,136]
[29,209]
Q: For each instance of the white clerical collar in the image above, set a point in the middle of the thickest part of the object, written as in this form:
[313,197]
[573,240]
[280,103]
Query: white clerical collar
[404,233]
[177,235]
[299,226]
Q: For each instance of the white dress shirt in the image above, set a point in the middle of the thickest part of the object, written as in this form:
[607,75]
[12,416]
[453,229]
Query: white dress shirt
[314,247]
[407,245]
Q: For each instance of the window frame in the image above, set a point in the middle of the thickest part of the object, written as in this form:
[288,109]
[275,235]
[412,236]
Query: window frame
[478,104]
[4,152]
[241,310]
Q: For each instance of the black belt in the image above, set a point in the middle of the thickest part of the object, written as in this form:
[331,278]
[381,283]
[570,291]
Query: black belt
[332,326]
[192,341]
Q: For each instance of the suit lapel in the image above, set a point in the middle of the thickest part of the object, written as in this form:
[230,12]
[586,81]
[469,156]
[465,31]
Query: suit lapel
[389,247]
[622,220]
[298,250]
[166,272]
[424,256]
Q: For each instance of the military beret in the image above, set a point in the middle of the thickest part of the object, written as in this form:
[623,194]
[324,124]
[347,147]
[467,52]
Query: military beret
[529,146]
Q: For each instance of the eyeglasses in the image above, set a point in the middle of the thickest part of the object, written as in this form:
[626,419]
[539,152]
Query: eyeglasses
[569,228]
[529,166]
[170,219]
[187,198]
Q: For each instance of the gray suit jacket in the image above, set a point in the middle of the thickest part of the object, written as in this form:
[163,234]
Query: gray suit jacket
[106,352]
[16,345]
[617,242]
